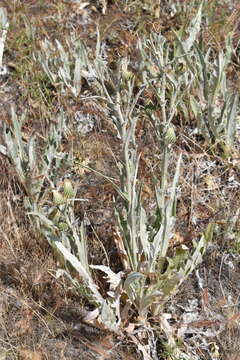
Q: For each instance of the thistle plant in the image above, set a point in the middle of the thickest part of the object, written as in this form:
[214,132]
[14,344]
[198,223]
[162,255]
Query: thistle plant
[31,172]
[215,106]
[183,76]
[146,241]
[66,234]
[167,79]
[56,63]
[211,100]
[149,276]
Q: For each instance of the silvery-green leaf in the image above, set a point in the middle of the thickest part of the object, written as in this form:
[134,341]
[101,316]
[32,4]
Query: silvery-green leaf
[65,76]
[161,239]
[170,286]
[196,108]
[63,54]
[144,235]
[112,278]
[3,18]
[231,119]
[31,153]
[3,149]
[150,298]
[199,249]
[108,317]
[204,72]
[132,285]
[81,271]
[3,32]
[193,30]
[77,76]
[44,219]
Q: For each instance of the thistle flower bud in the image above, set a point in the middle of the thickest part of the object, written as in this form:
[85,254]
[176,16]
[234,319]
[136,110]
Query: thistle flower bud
[126,74]
[170,136]
[57,198]
[68,190]
[63,226]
